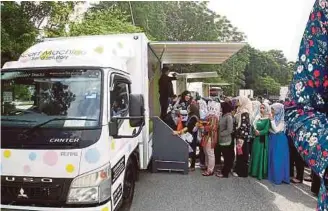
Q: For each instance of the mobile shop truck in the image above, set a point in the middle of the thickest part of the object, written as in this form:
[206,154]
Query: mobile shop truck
[75,122]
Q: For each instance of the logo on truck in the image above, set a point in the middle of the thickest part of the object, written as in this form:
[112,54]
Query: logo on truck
[22,194]
[29,179]
[64,140]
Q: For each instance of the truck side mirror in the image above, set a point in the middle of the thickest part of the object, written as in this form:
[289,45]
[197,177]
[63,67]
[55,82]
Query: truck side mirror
[136,110]
[113,127]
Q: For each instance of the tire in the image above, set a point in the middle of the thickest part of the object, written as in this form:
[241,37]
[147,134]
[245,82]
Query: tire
[129,185]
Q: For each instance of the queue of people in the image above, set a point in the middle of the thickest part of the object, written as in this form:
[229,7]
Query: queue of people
[266,146]
[250,135]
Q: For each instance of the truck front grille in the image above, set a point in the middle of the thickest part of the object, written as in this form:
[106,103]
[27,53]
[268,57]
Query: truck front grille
[35,193]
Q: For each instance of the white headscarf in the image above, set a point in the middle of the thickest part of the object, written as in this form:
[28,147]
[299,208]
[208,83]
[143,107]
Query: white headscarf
[256,110]
[214,108]
[279,112]
[267,111]
[244,106]
[265,115]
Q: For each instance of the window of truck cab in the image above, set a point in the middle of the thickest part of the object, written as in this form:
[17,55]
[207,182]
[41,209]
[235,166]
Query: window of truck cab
[119,96]
[30,97]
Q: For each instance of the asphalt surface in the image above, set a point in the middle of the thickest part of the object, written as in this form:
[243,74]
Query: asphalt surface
[177,192]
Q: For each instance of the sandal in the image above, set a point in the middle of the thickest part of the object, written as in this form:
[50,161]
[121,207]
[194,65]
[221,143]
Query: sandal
[207,173]
[203,168]
[308,179]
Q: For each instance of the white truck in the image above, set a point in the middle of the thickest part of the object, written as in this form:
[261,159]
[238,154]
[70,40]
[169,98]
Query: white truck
[79,143]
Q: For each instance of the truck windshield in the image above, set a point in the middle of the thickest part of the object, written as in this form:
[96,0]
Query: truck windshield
[72,98]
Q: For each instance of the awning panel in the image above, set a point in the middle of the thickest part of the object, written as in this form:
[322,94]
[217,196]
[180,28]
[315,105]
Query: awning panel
[195,75]
[194,52]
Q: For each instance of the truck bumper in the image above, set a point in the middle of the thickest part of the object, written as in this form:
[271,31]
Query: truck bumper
[104,207]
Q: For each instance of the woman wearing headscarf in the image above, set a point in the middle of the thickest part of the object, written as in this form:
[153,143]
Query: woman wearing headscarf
[259,158]
[225,139]
[191,128]
[184,101]
[179,111]
[255,112]
[242,135]
[209,139]
[203,110]
[307,117]
[278,171]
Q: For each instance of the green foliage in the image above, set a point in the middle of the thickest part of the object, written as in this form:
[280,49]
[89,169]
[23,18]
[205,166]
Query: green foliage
[160,20]
[22,92]
[103,22]
[268,85]
[264,64]
[50,16]
[17,32]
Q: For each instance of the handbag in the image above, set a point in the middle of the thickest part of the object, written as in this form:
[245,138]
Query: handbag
[187,137]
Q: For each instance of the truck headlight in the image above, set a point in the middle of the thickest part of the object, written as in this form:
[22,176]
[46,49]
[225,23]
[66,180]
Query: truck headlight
[92,187]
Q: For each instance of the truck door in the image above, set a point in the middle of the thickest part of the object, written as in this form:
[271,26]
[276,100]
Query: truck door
[119,106]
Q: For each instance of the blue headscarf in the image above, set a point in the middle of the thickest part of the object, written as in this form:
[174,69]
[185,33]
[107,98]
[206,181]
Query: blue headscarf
[279,112]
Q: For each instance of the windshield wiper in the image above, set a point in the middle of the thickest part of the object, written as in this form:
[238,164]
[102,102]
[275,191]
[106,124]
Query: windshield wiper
[30,130]
[16,120]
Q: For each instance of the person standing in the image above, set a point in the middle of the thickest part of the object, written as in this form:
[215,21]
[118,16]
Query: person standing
[165,90]
[296,161]
[209,140]
[242,135]
[225,139]
[278,161]
[308,118]
[191,129]
[259,158]
[255,112]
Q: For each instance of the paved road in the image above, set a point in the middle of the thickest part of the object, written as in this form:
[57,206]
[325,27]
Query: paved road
[175,192]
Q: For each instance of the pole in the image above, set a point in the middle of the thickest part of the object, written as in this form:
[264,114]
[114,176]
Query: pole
[131,13]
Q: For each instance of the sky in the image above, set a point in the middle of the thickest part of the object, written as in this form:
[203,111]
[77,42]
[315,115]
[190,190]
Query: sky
[268,24]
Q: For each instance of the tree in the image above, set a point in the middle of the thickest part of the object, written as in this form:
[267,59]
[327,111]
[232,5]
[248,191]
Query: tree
[267,85]
[21,23]
[17,32]
[160,20]
[108,21]
[180,21]
[172,20]
[50,17]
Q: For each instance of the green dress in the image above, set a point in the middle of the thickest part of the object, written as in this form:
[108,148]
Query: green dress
[259,158]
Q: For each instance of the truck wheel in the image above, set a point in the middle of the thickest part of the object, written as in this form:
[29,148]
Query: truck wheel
[129,184]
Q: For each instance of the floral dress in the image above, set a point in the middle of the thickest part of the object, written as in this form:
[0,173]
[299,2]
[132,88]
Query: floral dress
[306,114]
[242,135]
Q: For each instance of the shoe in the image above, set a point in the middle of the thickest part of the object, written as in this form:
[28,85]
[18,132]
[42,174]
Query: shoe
[207,173]
[220,175]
